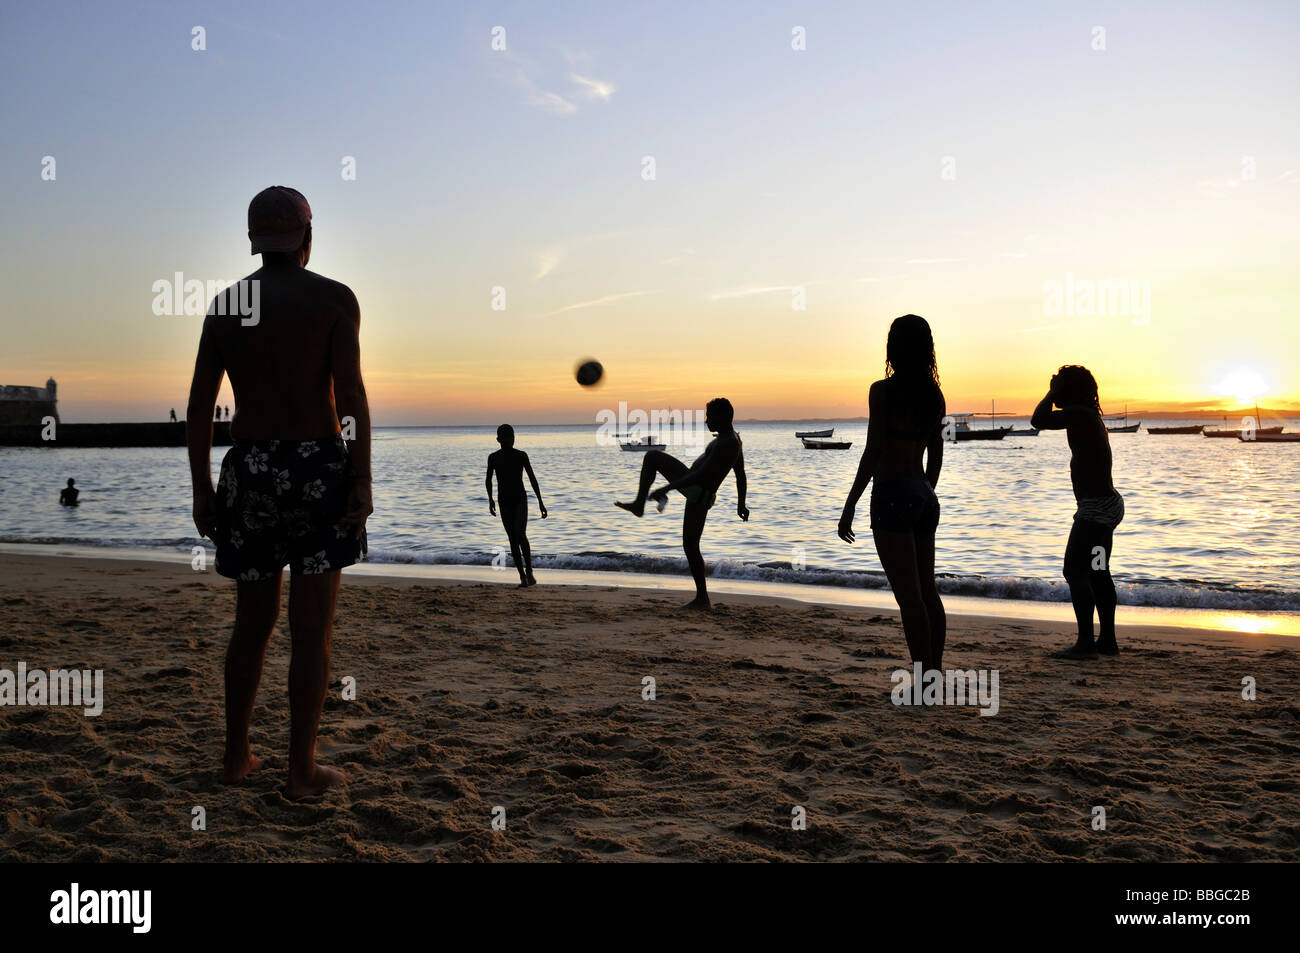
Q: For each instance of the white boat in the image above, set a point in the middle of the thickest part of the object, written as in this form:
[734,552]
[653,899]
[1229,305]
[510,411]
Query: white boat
[641,446]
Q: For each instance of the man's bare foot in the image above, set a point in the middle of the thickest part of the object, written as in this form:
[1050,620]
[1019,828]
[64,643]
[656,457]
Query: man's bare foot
[1105,647]
[1076,653]
[531,580]
[235,770]
[321,779]
[699,602]
[636,509]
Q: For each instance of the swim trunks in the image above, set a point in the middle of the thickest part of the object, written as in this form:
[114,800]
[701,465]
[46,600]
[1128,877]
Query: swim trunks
[904,506]
[696,493]
[1108,511]
[281,501]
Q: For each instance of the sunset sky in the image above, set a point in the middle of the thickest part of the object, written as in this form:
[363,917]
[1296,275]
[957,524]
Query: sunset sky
[916,157]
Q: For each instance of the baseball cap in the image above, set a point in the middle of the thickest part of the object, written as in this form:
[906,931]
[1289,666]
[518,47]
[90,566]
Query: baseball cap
[277,219]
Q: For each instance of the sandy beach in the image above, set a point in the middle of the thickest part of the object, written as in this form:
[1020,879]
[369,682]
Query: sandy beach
[473,696]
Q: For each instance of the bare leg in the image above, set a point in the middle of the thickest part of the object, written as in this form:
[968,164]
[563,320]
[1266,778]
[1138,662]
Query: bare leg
[692,530]
[655,462]
[930,596]
[516,553]
[311,623]
[1103,593]
[257,606]
[521,535]
[897,553]
[1078,575]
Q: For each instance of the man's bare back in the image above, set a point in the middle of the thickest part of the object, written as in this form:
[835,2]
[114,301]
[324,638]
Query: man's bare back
[282,366]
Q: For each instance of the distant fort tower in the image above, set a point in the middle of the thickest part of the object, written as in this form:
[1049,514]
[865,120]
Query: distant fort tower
[28,405]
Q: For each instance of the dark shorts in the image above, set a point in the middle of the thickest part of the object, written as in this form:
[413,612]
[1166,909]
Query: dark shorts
[280,501]
[904,506]
[513,509]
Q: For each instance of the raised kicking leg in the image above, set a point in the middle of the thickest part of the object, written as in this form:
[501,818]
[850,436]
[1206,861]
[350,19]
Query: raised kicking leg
[656,462]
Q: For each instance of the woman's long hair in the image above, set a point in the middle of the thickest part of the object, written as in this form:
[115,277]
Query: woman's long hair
[1076,385]
[911,367]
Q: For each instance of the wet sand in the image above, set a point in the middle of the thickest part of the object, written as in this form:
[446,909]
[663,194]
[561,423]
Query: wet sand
[472,696]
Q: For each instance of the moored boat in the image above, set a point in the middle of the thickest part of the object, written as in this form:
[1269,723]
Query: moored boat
[826,444]
[641,446]
[815,433]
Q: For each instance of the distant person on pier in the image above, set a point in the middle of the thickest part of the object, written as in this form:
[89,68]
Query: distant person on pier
[173,415]
[510,464]
[699,483]
[68,495]
[902,461]
[1073,390]
[291,491]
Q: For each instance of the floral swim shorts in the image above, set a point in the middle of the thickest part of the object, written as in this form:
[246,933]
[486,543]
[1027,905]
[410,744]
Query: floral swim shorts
[281,501]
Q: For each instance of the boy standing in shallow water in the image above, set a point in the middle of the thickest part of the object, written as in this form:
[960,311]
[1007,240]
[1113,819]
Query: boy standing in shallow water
[509,466]
[1100,509]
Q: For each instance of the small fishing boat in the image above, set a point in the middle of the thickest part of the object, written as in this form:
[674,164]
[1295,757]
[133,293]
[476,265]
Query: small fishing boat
[815,433]
[1194,428]
[1125,427]
[641,446]
[1261,437]
[964,431]
[825,444]
[1023,432]
[1225,432]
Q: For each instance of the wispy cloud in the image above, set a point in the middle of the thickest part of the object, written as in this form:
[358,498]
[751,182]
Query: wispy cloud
[931,261]
[544,99]
[593,88]
[596,302]
[547,259]
[747,292]
[1217,187]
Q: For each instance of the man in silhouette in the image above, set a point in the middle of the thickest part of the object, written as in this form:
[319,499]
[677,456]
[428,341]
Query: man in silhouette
[173,415]
[290,490]
[509,464]
[699,483]
[68,495]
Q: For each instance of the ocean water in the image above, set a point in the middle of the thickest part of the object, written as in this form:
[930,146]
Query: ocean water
[1210,524]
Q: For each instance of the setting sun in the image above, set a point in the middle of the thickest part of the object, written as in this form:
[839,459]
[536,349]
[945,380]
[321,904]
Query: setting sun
[1243,385]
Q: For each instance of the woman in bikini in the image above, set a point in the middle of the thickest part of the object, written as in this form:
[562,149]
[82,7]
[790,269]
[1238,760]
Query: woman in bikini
[903,456]
[1100,509]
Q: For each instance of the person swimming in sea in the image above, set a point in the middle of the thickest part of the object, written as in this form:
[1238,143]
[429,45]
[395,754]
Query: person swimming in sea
[699,483]
[902,460]
[1100,508]
[509,464]
[68,495]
